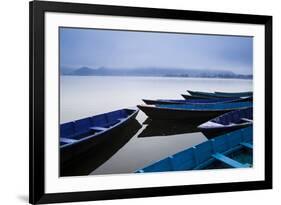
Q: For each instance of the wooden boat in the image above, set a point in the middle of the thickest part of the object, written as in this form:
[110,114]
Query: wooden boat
[191,112]
[239,94]
[227,122]
[232,150]
[81,135]
[199,94]
[196,101]
[188,97]
[86,163]
[204,94]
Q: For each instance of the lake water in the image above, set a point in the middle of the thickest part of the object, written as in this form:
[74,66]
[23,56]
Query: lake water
[83,96]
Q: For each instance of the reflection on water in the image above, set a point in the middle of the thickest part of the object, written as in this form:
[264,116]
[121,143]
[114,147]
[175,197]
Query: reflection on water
[144,141]
[167,127]
[151,143]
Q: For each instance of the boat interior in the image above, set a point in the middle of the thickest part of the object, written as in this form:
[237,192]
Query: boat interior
[221,152]
[73,131]
[237,117]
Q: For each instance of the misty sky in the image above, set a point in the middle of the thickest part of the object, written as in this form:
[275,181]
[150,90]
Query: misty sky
[126,49]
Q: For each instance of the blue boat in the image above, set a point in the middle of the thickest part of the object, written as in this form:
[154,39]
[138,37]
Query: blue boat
[227,122]
[239,94]
[81,135]
[191,112]
[196,101]
[199,94]
[195,97]
[232,150]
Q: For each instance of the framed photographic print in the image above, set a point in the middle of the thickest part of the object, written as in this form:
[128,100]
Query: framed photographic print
[140,102]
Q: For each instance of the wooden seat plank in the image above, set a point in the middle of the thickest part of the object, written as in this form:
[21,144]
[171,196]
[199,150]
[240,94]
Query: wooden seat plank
[229,161]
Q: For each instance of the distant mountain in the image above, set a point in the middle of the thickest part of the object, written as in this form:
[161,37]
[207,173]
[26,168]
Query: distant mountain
[84,71]
[163,72]
[66,70]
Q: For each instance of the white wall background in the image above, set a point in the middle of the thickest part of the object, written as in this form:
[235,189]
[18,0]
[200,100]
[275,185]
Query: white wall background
[14,100]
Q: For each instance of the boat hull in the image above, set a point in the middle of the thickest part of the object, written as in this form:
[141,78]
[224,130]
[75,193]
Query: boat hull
[240,94]
[219,94]
[187,97]
[86,163]
[205,94]
[228,122]
[72,151]
[177,114]
[214,132]
[153,102]
[197,101]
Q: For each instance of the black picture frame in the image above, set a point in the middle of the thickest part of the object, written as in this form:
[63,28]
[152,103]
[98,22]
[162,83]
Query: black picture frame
[37,194]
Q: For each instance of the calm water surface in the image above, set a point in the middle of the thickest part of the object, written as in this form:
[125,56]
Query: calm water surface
[83,96]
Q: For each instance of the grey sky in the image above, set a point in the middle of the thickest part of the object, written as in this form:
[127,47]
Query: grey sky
[126,49]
